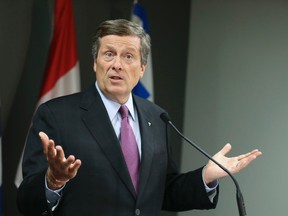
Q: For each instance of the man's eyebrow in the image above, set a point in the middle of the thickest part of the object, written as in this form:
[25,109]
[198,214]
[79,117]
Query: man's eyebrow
[110,46]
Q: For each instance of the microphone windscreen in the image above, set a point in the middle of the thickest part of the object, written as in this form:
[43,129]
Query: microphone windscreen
[164,116]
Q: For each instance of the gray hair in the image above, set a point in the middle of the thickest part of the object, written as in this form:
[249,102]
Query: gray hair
[122,27]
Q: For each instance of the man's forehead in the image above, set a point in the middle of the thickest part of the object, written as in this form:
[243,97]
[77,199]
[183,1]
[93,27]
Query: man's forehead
[115,40]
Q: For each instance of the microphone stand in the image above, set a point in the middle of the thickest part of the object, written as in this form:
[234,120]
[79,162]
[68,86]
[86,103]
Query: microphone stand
[239,196]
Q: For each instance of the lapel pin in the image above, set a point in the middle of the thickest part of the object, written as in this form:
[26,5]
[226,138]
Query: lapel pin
[149,124]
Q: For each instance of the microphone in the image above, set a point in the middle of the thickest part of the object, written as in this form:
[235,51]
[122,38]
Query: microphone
[240,201]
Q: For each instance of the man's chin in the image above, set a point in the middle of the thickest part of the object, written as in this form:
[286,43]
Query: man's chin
[117,94]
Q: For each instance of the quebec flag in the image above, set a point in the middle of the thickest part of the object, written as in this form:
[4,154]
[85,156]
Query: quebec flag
[144,88]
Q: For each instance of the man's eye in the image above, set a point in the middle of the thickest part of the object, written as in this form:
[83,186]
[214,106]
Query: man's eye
[108,55]
[129,57]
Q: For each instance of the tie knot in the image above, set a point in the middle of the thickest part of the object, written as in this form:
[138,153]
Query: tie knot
[123,111]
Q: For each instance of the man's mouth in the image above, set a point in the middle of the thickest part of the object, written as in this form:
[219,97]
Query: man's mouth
[115,78]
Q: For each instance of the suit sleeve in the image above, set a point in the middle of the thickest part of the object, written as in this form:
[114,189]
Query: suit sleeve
[185,191]
[31,198]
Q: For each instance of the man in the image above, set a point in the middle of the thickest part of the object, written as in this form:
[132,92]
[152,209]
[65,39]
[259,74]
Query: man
[84,169]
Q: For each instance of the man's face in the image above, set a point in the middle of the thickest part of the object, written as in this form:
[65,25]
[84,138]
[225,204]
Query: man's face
[118,66]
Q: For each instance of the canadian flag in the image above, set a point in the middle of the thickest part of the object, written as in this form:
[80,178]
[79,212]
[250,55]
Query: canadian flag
[62,74]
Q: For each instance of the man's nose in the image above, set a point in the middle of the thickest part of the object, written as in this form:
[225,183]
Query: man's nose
[117,63]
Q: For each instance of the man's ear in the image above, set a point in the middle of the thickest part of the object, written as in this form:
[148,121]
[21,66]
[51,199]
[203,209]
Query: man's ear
[94,66]
[143,68]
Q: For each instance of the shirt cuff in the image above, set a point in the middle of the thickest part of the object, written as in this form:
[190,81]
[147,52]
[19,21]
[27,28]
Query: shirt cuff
[53,196]
[211,189]
[212,186]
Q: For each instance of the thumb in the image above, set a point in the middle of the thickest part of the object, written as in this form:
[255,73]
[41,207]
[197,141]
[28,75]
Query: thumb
[45,141]
[226,149]
[43,136]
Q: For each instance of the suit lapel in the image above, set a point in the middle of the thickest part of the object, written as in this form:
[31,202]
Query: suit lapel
[147,140]
[98,122]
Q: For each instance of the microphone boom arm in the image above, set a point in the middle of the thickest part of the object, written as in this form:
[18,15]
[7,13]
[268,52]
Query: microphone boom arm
[239,196]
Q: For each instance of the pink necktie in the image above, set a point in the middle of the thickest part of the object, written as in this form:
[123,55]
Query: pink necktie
[129,147]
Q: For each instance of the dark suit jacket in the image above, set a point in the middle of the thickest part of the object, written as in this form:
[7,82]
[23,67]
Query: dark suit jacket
[80,124]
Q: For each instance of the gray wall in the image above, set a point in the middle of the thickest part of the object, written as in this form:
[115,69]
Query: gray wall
[237,86]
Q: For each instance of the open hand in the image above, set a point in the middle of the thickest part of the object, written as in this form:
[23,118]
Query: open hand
[213,172]
[60,169]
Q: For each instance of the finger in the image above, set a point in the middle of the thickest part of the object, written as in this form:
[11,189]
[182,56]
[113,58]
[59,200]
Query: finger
[60,152]
[75,166]
[244,163]
[70,159]
[258,153]
[255,152]
[247,160]
[226,149]
[67,163]
[43,136]
[241,157]
[51,151]
[45,141]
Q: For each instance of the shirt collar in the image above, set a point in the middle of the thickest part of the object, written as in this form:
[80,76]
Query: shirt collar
[112,107]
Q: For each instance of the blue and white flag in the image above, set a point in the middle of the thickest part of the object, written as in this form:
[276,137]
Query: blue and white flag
[144,88]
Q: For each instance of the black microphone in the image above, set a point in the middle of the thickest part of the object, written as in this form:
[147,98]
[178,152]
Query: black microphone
[239,196]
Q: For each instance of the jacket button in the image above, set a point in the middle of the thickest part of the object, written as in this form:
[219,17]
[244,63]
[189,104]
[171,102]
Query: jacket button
[137,212]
